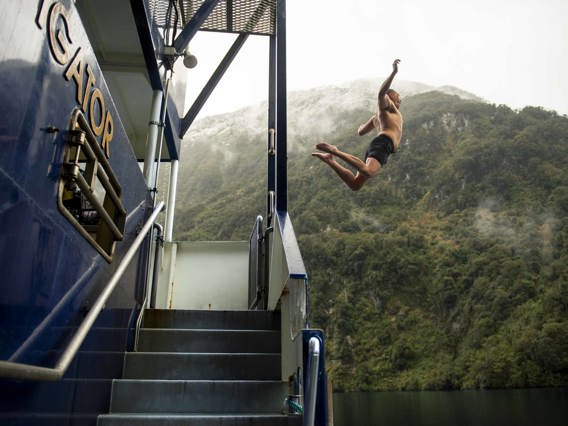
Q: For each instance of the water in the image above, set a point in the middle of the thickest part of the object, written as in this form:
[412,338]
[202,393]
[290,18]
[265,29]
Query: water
[526,407]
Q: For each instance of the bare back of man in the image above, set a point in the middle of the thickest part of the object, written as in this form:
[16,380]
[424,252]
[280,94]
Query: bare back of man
[387,122]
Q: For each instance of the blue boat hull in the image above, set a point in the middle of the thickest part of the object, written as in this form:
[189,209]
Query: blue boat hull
[50,274]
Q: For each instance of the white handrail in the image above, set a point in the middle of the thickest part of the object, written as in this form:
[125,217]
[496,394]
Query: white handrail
[311,392]
[19,371]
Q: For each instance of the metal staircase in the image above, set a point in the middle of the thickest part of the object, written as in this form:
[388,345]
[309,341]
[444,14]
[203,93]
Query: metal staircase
[203,368]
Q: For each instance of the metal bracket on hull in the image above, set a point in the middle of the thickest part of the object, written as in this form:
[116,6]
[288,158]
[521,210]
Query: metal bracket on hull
[89,193]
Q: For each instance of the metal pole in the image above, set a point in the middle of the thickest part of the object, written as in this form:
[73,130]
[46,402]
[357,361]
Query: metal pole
[172,199]
[211,84]
[157,263]
[311,392]
[154,127]
[164,111]
[192,26]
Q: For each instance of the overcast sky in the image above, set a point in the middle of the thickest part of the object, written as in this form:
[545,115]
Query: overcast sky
[512,52]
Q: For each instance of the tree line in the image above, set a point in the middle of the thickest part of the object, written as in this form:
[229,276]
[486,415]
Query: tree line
[448,271]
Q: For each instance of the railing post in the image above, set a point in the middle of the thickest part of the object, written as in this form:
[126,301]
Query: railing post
[312,383]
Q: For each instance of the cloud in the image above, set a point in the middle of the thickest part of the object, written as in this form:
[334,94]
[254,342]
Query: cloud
[491,222]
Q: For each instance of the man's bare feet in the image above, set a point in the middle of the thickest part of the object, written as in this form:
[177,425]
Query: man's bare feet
[326,147]
[325,157]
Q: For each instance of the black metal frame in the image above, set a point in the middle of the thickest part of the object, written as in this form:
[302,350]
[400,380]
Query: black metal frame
[152,41]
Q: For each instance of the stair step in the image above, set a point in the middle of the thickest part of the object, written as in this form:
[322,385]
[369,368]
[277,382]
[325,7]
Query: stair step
[223,341]
[46,419]
[86,364]
[78,395]
[198,420]
[190,396]
[202,366]
[98,339]
[224,320]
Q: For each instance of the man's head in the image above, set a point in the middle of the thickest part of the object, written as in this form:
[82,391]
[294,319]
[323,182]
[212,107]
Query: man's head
[394,97]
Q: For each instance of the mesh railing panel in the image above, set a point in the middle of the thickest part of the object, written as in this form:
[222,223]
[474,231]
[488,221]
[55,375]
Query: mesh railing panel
[231,16]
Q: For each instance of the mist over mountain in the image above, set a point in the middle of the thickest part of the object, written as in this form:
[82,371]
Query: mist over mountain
[448,270]
[312,111]
[214,142]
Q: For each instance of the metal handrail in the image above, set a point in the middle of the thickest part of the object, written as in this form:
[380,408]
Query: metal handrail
[19,371]
[152,286]
[312,382]
[157,263]
[255,261]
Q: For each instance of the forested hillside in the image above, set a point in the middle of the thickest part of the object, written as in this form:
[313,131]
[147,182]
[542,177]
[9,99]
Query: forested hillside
[449,270]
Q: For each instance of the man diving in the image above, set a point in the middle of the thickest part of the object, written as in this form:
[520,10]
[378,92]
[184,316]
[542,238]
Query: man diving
[387,122]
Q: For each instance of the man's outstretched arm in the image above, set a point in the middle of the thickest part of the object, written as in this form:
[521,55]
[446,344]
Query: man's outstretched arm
[367,127]
[386,85]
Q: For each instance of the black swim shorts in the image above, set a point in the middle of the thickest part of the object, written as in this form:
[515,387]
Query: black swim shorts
[380,148]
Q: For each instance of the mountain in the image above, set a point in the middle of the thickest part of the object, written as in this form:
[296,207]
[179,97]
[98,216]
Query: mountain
[216,141]
[311,109]
[449,270]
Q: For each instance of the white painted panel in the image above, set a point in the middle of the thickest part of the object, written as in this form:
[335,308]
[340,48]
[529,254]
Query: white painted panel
[211,275]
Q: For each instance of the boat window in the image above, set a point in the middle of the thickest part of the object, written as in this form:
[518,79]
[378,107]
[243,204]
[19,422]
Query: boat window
[89,193]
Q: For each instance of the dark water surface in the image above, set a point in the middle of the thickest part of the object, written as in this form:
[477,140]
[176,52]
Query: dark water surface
[525,407]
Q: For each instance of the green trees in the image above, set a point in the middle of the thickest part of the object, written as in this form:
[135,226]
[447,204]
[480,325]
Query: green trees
[448,271]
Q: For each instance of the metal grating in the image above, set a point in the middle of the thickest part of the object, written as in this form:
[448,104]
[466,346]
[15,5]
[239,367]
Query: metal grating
[229,16]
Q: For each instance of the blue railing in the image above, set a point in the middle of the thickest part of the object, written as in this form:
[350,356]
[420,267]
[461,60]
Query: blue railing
[287,285]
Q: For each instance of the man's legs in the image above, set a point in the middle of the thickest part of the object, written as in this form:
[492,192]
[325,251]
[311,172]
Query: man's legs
[368,168]
[354,182]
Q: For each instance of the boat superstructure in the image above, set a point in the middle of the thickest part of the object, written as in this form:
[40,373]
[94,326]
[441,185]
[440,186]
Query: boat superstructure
[105,318]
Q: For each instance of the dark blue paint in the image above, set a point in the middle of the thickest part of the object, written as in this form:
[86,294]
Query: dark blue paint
[271,166]
[193,25]
[281,110]
[43,259]
[172,134]
[151,41]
